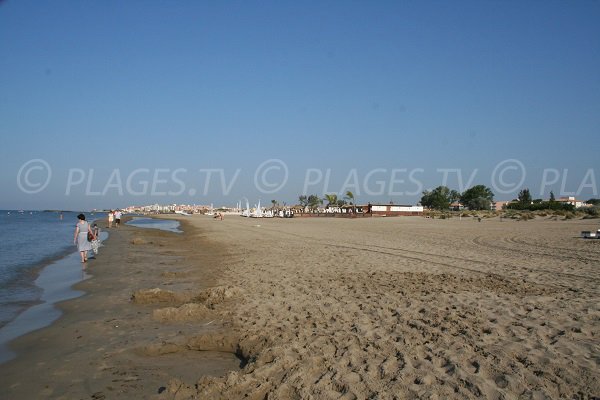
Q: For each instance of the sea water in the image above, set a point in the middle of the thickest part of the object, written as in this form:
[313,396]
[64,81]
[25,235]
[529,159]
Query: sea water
[39,264]
[155,223]
[30,240]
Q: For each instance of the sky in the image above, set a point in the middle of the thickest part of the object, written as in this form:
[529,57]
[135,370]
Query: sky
[109,104]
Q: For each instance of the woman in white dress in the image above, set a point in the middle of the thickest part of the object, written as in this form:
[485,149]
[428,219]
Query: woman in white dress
[111,216]
[82,229]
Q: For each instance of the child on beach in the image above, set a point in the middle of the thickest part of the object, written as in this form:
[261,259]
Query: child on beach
[96,241]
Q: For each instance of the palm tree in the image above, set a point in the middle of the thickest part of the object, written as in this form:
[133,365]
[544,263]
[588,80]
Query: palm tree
[350,197]
[314,201]
[332,199]
[303,200]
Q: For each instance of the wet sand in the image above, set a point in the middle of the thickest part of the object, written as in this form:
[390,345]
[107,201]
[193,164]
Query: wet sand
[56,281]
[326,309]
[102,347]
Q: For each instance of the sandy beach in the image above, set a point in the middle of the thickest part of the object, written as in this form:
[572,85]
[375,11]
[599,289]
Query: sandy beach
[377,308]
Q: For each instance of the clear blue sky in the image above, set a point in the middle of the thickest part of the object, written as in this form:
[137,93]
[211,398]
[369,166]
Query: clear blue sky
[92,88]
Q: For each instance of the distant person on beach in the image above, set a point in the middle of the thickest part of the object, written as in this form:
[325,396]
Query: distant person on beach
[82,230]
[118,215]
[110,218]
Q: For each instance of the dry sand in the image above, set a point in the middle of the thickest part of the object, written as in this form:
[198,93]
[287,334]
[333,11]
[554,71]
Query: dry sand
[377,308]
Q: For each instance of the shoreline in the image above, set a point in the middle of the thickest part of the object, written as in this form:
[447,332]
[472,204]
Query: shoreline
[44,312]
[56,281]
[326,308]
[31,273]
[105,331]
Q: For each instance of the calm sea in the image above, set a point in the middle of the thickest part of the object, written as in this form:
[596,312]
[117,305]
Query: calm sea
[28,241]
[153,223]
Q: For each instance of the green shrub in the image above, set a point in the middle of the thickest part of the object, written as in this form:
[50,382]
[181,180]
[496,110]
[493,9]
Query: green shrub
[591,212]
[527,216]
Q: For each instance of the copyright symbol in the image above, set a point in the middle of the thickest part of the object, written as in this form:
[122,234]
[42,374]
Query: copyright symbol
[36,169]
[508,176]
[279,176]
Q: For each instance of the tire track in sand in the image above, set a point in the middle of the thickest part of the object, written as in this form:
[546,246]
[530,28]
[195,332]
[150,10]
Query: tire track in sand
[404,253]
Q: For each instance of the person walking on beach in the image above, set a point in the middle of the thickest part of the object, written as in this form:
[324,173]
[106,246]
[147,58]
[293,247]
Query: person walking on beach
[118,215]
[110,218]
[82,230]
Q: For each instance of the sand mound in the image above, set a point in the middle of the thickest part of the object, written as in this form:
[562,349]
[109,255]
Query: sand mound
[213,296]
[157,296]
[187,312]
[215,342]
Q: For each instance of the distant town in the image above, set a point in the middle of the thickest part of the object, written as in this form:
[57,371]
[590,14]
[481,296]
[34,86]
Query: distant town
[318,207]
